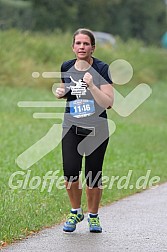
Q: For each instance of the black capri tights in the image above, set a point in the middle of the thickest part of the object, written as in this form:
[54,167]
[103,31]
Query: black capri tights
[72,159]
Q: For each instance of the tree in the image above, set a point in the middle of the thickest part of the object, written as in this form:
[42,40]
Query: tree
[54,14]
[142,19]
[15,14]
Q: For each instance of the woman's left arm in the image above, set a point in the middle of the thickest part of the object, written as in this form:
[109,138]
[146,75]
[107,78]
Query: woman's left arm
[103,96]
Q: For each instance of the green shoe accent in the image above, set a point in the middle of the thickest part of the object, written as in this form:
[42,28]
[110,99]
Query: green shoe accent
[94,224]
[72,219]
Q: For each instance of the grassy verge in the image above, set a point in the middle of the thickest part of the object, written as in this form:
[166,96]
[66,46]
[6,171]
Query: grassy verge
[23,53]
[137,148]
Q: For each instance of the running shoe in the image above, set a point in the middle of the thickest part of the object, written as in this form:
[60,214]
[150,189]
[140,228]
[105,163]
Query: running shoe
[72,219]
[94,224]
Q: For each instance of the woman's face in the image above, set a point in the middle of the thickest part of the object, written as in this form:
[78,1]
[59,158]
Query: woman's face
[82,47]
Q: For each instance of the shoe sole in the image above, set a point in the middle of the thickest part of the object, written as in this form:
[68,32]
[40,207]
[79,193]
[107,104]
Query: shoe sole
[68,231]
[95,231]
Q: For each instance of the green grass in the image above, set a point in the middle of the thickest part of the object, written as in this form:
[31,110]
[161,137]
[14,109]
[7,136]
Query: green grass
[138,144]
[23,53]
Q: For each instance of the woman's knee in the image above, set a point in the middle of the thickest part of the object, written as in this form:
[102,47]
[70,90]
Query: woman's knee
[94,179]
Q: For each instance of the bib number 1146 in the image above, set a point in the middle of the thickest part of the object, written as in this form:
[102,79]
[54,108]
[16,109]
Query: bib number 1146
[82,108]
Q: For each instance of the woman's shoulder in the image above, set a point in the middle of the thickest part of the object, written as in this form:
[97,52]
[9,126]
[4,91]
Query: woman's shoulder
[67,65]
[99,64]
[103,69]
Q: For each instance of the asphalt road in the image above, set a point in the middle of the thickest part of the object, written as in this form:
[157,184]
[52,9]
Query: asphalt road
[135,224]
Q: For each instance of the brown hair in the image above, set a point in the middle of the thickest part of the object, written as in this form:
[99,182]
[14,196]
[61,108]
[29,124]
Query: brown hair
[87,32]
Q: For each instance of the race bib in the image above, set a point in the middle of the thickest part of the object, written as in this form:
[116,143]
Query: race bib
[82,108]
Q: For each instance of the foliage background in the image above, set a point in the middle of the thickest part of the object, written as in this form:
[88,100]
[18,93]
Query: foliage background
[144,20]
